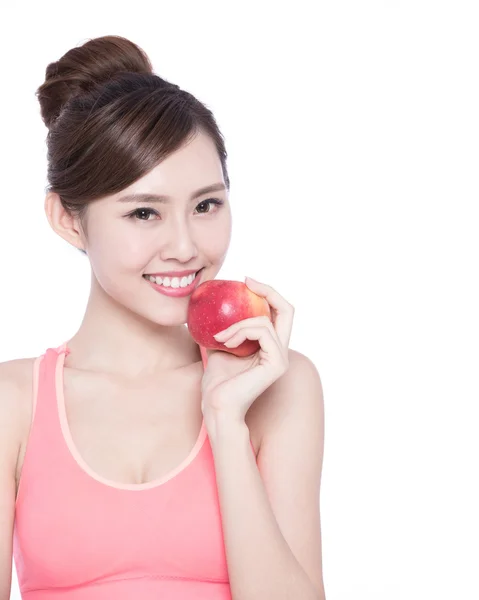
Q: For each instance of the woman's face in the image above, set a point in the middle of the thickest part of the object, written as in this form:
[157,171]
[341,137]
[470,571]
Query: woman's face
[127,240]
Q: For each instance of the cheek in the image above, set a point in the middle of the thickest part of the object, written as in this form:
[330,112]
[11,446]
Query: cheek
[114,253]
[215,244]
[220,243]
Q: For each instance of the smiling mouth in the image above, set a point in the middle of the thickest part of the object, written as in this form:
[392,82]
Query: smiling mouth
[173,282]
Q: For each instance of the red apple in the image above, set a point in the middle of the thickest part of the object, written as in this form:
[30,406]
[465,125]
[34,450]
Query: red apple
[218,303]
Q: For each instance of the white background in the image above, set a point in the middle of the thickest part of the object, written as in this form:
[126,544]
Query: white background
[352,132]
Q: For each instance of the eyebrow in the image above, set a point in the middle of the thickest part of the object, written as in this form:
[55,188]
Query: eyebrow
[162,198]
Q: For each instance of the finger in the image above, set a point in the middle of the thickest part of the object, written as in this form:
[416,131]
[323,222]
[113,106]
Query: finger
[272,364]
[267,340]
[204,355]
[283,311]
[262,321]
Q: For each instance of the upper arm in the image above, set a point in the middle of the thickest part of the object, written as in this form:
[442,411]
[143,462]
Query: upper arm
[12,387]
[290,460]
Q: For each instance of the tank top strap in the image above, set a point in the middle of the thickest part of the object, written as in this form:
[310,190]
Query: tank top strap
[62,348]
[46,379]
[45,443]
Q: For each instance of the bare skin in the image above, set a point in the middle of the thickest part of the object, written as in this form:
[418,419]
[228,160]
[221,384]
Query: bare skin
[132,379]
[146,436]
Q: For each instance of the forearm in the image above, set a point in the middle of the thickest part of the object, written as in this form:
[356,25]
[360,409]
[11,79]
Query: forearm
[261,565]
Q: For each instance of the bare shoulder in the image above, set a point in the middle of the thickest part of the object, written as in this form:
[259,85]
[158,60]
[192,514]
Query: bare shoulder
[16,380]
[16,376]
[302,373]
[298,391]
[299,386]
[300,362]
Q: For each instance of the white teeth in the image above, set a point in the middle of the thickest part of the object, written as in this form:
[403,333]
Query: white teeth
[174,282]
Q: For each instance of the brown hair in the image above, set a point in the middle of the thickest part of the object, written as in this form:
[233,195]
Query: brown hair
[111,120]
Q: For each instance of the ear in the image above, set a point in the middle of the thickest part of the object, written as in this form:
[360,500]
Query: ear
[62,222]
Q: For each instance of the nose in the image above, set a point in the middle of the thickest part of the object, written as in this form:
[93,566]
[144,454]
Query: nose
[177,242]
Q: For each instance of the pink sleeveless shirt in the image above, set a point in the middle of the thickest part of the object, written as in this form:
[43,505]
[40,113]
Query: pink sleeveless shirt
[79,536]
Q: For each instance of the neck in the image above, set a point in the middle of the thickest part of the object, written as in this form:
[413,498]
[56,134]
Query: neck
[113,339]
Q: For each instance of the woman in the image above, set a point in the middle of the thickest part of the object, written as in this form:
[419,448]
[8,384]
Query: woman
[143,466]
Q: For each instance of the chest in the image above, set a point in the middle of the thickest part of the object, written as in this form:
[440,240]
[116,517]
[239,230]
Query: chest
[132,434]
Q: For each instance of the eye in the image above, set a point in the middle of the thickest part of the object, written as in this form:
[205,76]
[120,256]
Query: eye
[208,202]
[142,211]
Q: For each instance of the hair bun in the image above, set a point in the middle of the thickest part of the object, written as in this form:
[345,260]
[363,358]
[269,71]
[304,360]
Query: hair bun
[82,68]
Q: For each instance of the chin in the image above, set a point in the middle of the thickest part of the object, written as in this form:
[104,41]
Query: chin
[168,318]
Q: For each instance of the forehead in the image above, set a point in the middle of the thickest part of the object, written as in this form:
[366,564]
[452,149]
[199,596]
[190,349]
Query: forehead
[193,166]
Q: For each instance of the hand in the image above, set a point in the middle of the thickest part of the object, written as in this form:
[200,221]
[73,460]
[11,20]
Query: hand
[231,383]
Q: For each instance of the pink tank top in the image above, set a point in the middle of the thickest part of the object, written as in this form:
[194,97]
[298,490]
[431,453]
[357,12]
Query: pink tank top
[79,536]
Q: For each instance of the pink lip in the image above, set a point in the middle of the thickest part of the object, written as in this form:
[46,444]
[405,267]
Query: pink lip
[178,292]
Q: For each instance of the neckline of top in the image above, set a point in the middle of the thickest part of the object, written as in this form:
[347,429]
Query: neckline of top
[62,352]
